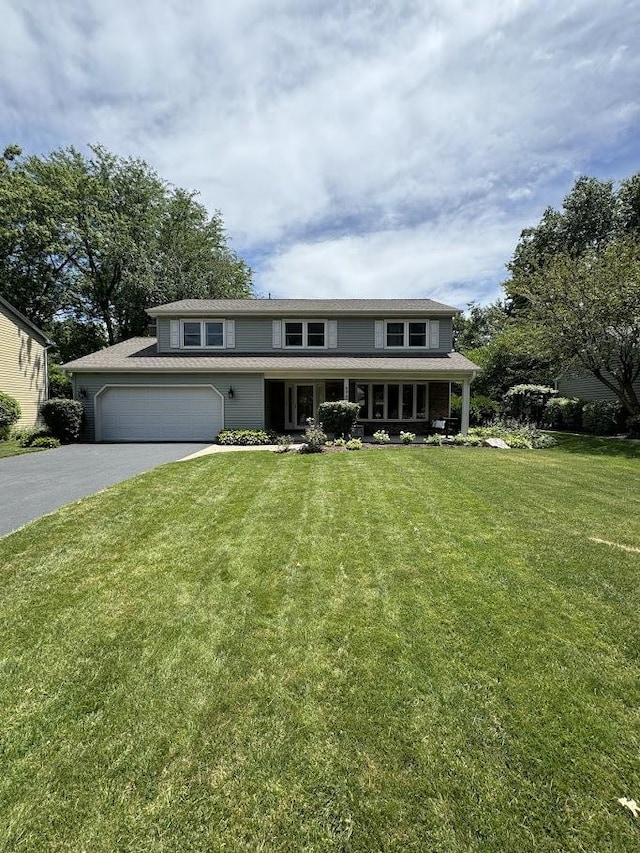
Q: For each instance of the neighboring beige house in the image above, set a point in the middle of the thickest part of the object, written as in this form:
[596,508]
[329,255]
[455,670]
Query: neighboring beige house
[23,362]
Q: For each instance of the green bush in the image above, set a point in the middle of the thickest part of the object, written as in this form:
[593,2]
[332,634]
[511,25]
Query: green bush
[381,436]
[9,414]
[633,426]
[26,437]
[601,417]
[63,417]
[339,417]
[434,440]
[354,444]
[59,382]
[246,437]
[314,438]
[407,437]
[515,435]
[45,441]
[482,410]
[563,413]
[527,402]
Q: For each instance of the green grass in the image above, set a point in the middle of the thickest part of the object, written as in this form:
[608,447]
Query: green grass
[12,448]
[422,649]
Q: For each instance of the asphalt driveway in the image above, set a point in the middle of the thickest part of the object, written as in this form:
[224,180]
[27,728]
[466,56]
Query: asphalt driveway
[34,484]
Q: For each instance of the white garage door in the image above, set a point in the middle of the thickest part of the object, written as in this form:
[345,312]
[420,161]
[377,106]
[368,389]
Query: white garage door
[160,413]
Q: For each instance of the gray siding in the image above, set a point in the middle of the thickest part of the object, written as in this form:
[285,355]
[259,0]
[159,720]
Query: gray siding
[246,410]
[355,335]
[587,387]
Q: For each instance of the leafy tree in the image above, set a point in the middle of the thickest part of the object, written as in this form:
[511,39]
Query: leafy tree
[588,308]
[75,338]
[518,354]
[575,278]
[102,238]
[479,325]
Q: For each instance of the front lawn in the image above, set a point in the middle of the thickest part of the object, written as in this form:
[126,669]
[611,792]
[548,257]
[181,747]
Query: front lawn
[12,448]
[426,650]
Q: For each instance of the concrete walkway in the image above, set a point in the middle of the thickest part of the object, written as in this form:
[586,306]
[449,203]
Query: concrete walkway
[228,448]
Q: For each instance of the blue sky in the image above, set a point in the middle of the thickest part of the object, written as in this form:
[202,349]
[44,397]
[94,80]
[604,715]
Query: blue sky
[355,149]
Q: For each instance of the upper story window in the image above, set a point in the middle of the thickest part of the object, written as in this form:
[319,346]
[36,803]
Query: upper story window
[406,333]
[203,334]
[305,333]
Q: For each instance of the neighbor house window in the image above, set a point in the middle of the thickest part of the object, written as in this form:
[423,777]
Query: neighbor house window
[406,333]
[203,334]
[391,401]
[305,333]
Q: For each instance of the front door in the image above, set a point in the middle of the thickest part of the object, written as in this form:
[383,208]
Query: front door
[301,404]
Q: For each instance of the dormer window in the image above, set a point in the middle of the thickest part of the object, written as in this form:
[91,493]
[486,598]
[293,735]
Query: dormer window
[203,334]
[305,333]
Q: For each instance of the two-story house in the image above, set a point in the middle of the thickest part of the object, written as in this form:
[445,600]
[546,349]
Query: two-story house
[23,362]
[269,363]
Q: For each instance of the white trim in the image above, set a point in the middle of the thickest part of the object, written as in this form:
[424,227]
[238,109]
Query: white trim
[174,334]
[332,329]
[305,334]
[230,334]
[203,333]
[276,334]
[109,385]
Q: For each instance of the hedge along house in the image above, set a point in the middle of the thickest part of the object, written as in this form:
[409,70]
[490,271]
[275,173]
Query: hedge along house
[23,362]
[269,363]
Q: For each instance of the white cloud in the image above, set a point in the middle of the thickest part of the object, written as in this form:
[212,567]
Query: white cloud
[379,123]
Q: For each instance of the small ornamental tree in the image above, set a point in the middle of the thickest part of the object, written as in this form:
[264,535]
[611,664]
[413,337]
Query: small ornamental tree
[9,414]
[527,402]
[63,417]
[338,417]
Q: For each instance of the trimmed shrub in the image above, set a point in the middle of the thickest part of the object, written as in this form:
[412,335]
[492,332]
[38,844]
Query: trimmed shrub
[9,414]
[527,402]
[563,413]
[338,417]
[45,441]
[601,417]
[246,437]
[63,417]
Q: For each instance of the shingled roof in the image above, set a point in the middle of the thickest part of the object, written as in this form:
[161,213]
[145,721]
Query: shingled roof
[141,355]
[302,307]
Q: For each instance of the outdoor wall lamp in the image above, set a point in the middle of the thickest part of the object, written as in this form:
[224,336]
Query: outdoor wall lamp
[230,393]
[82,393]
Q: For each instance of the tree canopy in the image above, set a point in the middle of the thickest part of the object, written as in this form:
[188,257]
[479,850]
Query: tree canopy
[576,278]
[96,239]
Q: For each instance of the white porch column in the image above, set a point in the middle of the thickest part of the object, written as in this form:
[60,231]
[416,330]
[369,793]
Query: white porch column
[345,389]
[466,395]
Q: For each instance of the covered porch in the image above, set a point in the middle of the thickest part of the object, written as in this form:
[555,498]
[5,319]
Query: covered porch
[390,403]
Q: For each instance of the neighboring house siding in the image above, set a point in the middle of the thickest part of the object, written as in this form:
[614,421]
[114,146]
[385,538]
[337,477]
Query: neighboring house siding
[244,411]
[587,387]
[355,335]
[23,367]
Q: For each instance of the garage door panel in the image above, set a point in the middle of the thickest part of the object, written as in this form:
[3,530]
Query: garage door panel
[159,413]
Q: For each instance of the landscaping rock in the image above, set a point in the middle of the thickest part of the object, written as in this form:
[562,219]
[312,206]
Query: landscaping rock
[496,442]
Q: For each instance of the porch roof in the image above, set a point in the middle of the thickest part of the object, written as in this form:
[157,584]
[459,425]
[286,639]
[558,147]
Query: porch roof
[140,355]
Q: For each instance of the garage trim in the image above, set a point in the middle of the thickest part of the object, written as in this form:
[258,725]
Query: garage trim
[97,396]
